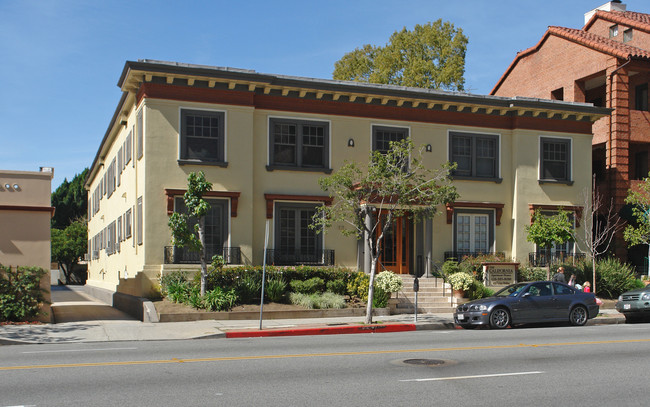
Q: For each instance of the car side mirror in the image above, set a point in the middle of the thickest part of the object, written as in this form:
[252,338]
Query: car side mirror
[526,295]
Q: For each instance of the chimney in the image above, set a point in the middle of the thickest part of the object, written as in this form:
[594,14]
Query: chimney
[614,5]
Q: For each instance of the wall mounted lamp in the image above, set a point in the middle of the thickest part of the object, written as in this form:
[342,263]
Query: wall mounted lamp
[428,148]
[351,142]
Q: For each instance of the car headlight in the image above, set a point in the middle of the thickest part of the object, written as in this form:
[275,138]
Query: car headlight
[645,297]
[480,307]
[620,298]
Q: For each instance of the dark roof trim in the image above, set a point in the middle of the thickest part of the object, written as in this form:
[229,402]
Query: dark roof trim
[353,87]
[120,105]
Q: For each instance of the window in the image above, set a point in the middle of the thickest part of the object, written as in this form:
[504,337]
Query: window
[627,35]
[128,148]
[140,221]
[140,135]
[562,289]
[127,224]
[476,155]
[110,184]
[557,94]
[473,231]
[382,136]
[613,31]
[202,136]
[292,233]
[298,144]
[120,165]
[641,165]
[216,224]
[555,159]
[641,97]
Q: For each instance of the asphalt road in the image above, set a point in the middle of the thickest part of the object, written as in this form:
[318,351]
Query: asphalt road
[543,366]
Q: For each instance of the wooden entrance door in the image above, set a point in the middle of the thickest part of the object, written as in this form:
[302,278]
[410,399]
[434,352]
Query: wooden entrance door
[394,255]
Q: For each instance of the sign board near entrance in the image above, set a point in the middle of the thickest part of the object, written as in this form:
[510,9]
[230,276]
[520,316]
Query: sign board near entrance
[499,274]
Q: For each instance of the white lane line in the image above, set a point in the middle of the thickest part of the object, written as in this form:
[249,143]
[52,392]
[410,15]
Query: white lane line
[436,379]
[78,350]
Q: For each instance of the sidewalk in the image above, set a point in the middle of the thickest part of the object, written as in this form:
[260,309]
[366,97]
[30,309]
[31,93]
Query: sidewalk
[133,330]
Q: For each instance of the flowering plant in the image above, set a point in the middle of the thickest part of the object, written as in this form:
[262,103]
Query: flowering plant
[461,281]
[388,281]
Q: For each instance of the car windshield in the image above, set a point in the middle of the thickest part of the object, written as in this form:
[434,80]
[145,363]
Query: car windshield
[511,290]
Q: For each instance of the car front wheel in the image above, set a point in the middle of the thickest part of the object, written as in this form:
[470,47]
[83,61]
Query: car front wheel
[499,318]
[578,316]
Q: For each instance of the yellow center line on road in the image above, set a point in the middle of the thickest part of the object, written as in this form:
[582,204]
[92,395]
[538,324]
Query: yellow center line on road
[312,355]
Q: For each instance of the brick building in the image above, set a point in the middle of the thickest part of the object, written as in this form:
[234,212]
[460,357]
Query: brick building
[606,63]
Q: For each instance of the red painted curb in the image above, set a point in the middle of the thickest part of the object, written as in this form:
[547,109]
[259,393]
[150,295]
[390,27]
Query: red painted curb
[323,330]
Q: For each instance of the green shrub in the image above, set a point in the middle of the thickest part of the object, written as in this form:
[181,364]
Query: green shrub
[276,289]
[380,298]
[312,286]
[337,287]
[358,286]
[478,290]
[450,267]
[194,298]
[178,291]
[532,273]
[613,278]
[330,300]
[474,264]
[248,288]
[219,300]
[21,293]
[388,281]
[461,281]
[317,301]
[173,278]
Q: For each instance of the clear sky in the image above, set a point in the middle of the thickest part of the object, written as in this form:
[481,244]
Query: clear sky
[61,60]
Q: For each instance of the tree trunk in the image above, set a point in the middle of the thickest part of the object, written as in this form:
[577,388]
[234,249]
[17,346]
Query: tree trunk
[593,265]
[204,265]
[371,288]
[66,273]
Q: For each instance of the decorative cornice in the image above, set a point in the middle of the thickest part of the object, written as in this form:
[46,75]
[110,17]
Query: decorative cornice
[498,208]
[270,198]
[577,210]
[24,208]
[234,198]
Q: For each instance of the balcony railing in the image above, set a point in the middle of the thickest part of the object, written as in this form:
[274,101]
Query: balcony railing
[459,256]
[183,255]
[541,259]
[283,258]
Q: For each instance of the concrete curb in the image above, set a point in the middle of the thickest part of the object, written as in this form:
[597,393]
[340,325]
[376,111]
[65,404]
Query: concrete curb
[327,330]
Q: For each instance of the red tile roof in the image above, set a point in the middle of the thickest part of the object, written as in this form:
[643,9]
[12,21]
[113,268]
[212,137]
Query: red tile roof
[640,21]
[586,39]
[599,43]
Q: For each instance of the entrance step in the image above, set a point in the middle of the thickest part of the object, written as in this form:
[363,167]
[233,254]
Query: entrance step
[434,296]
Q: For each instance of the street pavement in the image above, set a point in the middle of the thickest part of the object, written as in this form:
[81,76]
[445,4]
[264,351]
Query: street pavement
[81,318]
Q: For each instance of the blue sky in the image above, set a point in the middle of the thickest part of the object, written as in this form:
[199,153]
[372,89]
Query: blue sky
[61,60]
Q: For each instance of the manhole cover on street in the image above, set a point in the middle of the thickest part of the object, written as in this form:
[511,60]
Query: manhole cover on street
[424,362]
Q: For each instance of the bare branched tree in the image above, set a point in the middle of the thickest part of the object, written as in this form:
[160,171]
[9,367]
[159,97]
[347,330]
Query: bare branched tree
[601,224]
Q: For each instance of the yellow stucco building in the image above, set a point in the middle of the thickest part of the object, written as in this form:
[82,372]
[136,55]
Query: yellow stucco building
[263,141]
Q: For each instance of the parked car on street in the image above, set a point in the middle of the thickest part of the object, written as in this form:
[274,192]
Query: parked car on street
[530,302]
[634,304]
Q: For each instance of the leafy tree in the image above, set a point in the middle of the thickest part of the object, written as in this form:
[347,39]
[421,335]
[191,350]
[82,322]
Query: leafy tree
[431,56]
[547,230]
[70,200]
[639,233]
[183,235]
[68,245]
[392,185]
